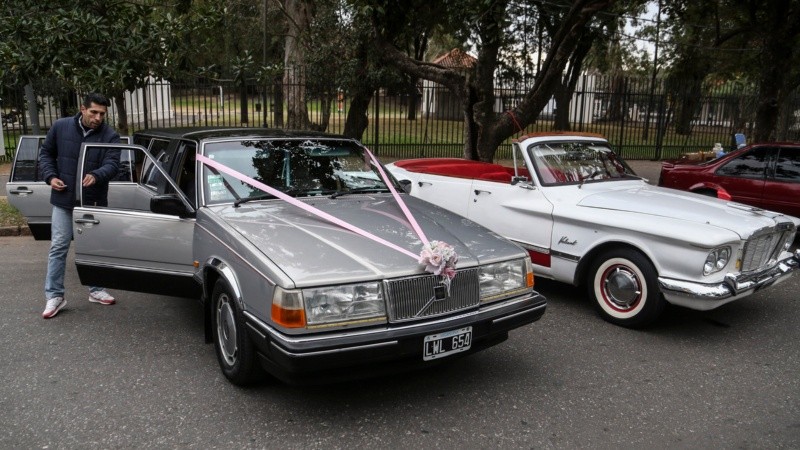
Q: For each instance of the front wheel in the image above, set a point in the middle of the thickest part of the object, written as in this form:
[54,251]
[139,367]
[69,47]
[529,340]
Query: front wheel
[235,352]
[624,286]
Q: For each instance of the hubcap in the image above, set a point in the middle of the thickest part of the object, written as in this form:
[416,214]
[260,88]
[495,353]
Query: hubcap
[621,287]
[226,329]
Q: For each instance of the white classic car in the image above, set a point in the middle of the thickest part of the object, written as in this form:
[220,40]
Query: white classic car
[587,219]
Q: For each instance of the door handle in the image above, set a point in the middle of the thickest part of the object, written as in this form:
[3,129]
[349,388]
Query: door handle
[22,190]
[478,192]
[87,219]
[420,183]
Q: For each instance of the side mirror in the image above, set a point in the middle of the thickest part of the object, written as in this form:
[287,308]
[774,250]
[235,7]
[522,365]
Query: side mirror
[406,185]
[170,204]
[519,179]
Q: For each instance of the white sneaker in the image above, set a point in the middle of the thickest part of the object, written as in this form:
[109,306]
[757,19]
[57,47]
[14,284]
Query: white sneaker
[102,297]
[54,305]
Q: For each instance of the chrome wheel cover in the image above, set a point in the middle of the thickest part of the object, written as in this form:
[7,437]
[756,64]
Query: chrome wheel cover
[226,329]
[621,288]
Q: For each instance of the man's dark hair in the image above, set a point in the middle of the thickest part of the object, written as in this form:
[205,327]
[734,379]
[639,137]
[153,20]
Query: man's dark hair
[96,98]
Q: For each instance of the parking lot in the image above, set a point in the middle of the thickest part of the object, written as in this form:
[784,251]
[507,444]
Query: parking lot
[138,374]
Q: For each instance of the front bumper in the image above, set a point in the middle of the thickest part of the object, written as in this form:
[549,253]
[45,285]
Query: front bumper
[324,358]
[709,296]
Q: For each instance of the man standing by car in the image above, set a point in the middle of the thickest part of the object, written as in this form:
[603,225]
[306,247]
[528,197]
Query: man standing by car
[58,167]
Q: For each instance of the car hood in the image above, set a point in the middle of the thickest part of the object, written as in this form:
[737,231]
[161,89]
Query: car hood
[680,205]
[313,251]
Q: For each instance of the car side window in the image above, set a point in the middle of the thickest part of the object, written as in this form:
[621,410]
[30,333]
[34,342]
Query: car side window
[787,166]
[26,164]
[153,178]
[752,164]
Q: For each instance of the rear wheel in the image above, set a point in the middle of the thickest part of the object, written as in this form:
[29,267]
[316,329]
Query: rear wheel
[624,286]
[235,352]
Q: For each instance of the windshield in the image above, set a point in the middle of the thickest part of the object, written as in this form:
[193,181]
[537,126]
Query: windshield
[559,163]
[297,167]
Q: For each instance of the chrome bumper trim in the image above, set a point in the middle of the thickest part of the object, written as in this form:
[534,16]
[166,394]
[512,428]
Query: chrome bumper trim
[733,285]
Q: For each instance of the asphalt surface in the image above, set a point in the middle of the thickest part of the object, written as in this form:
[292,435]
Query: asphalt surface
[138,375]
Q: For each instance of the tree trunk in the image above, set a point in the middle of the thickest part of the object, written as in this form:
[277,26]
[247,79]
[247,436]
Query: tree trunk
[277,102]
[122,114]
[299,13]
[688,104]
[413,99]
[562,97]
[771,91]
[357,121]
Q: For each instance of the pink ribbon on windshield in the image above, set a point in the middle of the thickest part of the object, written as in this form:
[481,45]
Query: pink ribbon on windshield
[317,212]
[400,202]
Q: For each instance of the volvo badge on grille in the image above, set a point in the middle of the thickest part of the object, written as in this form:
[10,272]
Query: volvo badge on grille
[439,294]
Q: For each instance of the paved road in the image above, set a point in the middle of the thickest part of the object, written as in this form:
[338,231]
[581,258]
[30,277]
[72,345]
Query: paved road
[137,375]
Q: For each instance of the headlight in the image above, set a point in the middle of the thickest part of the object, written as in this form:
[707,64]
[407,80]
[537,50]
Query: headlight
[505,279]
[716,260]
[346,304]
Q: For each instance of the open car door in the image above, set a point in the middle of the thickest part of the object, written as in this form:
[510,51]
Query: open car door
[28,192]
[126,245]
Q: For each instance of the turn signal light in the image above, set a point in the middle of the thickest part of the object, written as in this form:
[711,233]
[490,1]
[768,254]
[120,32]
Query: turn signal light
[289,318]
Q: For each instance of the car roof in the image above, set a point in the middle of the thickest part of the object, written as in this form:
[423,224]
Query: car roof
[202,133]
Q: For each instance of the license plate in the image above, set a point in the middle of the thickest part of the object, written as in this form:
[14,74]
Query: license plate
[445,344]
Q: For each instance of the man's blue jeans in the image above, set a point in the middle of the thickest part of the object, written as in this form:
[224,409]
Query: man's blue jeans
[61,237]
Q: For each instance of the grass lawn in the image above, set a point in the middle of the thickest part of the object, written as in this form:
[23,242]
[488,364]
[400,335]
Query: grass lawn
[9,216]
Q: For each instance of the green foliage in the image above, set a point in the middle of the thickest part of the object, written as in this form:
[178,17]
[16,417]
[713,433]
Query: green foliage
[93,45]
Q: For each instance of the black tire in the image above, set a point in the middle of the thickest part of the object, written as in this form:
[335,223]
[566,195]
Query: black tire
[624,286]
[706,192]
[235,351]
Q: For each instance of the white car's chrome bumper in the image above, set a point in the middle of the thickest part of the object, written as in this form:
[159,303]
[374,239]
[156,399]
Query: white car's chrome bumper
[703,297]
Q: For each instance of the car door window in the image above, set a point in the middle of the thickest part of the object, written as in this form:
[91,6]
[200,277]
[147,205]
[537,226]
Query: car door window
[185,176]
[752,164]
[787,167]
[26,165]
[134,196]
[155,179]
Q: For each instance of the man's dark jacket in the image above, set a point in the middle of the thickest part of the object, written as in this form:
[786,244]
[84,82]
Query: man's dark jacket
[59,155]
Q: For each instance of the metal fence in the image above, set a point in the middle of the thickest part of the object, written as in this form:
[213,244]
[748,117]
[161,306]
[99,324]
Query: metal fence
[641,118]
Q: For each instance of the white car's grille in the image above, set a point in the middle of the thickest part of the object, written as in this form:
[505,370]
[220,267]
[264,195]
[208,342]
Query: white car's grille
[414,297]
[761,251]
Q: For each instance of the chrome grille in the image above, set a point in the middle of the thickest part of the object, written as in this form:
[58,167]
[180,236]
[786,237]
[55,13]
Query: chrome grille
[407,297]
[762,250]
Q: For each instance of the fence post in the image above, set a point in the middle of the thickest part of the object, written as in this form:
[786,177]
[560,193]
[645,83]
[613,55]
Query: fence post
[624,115]
[376,143]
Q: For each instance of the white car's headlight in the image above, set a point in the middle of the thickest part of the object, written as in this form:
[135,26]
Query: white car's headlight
[505,279]
[346,304]
[716,260]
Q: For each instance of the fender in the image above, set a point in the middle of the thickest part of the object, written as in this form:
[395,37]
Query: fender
[721,192]
[224,271]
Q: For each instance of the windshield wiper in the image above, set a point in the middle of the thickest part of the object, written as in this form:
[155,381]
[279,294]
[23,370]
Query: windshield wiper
[359,190]
[252,198]
[290,192]
[294,192]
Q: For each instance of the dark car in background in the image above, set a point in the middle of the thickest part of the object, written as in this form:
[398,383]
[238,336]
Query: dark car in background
[765,175]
